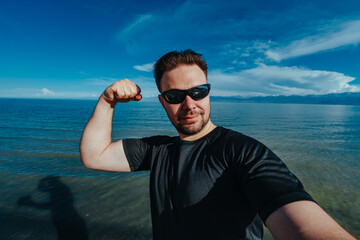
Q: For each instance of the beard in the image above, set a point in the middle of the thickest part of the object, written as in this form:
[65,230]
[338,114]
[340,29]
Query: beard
[192,127]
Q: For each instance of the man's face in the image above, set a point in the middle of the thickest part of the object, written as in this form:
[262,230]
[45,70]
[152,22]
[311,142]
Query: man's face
[190,116]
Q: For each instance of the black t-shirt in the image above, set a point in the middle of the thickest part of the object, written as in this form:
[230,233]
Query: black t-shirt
[222,186]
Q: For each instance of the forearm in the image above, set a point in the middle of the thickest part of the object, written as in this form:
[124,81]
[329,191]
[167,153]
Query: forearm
[305,220]
[97,133]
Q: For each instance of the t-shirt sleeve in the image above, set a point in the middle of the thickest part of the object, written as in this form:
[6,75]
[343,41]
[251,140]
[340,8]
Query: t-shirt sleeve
[266,180]
[137,152]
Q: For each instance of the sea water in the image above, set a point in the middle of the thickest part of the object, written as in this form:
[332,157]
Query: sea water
[42,180]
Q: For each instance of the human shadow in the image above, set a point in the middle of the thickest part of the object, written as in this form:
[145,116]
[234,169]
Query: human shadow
[68,222]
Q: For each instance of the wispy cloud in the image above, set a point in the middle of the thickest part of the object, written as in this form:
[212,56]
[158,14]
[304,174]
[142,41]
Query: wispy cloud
[244,54]
[46,93]
[98,80]
[146,84]
[275,80]
[101,81]
[139,21]
[145,67]
[185,25]
[344,34]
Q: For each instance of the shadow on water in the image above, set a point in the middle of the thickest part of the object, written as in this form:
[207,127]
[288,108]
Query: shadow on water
[68,222]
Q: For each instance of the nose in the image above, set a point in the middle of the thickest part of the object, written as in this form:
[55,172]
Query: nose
[188,103]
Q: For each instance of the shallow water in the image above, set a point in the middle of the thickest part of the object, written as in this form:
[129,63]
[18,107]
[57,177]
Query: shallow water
[39,141]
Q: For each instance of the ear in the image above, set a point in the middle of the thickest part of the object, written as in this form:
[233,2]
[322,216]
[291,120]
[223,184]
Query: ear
[161,100]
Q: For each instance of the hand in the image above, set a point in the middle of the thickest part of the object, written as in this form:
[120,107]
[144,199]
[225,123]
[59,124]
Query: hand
[122,91]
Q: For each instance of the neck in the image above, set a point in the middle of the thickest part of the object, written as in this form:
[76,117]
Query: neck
[207,129]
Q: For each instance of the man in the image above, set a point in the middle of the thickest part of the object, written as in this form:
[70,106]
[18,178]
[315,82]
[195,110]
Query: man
[210,182]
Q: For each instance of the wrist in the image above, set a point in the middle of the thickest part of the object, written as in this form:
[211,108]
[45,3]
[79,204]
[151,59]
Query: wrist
[106,102]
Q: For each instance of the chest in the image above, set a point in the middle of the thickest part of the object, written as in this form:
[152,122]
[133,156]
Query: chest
[186,175]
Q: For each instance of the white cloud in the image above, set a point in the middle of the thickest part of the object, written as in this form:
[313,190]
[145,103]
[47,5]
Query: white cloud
[342,35]
[46,92]
[145,67]
[274,80]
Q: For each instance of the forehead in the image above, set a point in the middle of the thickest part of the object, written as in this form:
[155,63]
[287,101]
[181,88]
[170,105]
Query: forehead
[183,77]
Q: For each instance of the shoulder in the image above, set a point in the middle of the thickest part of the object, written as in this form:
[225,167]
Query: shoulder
[231,137]
[240,148]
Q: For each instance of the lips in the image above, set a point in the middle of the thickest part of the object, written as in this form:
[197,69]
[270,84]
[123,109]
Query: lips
[189,116]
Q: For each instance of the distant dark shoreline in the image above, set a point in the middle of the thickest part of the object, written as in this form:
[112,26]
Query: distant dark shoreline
[347,98]
[332,99]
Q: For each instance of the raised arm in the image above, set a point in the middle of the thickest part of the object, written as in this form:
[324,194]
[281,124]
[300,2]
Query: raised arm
[96,148]
[304,220]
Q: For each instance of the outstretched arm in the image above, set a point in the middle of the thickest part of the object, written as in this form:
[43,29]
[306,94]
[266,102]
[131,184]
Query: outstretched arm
[304,220]
[96,147]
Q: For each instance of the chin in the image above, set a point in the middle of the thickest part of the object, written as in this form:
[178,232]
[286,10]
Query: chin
[190,130]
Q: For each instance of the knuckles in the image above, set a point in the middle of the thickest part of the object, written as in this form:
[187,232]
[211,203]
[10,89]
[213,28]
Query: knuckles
[123,90]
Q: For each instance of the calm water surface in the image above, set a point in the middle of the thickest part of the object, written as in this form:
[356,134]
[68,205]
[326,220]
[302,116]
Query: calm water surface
[40,169]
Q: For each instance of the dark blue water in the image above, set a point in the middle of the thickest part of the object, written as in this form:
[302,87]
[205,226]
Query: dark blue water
[39,142]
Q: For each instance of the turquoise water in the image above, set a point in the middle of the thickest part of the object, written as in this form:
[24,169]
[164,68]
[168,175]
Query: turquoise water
[40,164]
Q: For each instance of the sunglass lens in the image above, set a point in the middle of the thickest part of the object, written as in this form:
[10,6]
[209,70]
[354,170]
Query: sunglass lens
[200,92]
[174,96]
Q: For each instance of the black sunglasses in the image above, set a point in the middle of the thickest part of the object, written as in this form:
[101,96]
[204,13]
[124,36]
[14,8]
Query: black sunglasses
[175,96]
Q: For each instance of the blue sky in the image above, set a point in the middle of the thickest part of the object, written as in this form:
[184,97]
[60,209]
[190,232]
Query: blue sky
[76,48]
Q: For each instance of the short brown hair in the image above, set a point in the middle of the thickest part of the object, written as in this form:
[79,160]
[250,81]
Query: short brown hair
[172,59]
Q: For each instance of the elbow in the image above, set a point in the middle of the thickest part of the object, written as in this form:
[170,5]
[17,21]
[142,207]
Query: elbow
[84,161]
[87,160]
[89,163]
[85,154]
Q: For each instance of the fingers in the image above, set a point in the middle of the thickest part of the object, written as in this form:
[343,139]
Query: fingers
[122,91]
[126,90]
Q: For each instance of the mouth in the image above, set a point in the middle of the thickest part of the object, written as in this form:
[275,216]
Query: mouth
[189,117]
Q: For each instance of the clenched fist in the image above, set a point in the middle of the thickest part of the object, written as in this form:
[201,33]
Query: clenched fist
[122,91]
